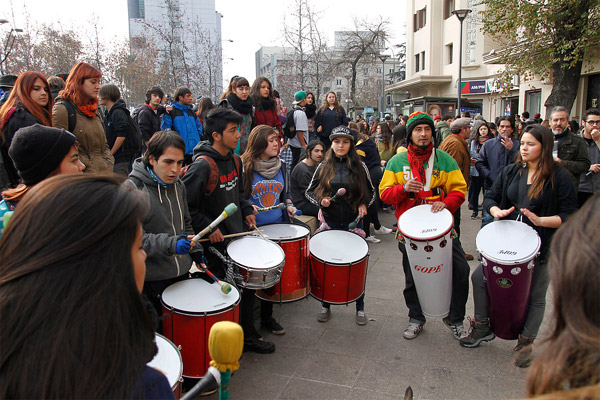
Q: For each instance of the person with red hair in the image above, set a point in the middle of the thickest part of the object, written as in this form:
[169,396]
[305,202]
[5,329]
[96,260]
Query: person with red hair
[29,103]
[76,110]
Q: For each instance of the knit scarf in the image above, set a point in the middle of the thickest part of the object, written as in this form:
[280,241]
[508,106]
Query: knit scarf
[417,158]
[239,105]
[267,104]
[90,108]
[310,110]
[268,168]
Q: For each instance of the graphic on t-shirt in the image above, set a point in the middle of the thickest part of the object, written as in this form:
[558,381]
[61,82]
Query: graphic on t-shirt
[266,192]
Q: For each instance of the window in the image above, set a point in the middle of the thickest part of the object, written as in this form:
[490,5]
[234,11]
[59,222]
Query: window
[449,53]
[417,62]
[448,8]
[378,70]
[338,81]
[419,19]
[365,82]
[366,71]
[422,60]
[391,71]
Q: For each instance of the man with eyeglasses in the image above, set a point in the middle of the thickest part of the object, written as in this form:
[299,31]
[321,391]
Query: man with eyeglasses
[572,152]
[589,182]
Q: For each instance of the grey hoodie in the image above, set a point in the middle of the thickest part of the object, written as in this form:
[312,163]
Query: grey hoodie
[168,218]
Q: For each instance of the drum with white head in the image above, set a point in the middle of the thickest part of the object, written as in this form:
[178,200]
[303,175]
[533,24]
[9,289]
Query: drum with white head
[168,361]
[260,261]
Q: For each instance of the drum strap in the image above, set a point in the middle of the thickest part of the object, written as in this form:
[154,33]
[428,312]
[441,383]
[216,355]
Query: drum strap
[524,201]
[429,171]
[426,192]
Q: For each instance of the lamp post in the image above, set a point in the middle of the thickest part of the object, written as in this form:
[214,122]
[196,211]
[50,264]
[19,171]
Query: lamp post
[382,57]
[8,46]
[461,15]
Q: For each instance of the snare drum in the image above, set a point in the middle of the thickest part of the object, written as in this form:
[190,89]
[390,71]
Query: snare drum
[294,283]
[428,245]
[260,261]
[338,266]
[192,307]
[508,250]
[168,361]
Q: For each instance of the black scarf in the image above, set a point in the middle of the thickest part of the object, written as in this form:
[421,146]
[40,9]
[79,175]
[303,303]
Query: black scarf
[311,110]
[239,105]
[267,104]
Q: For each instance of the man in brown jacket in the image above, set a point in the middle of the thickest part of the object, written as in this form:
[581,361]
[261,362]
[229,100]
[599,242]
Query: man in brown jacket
[456,145]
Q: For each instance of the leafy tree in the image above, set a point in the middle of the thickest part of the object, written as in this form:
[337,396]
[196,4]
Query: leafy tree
[547,38]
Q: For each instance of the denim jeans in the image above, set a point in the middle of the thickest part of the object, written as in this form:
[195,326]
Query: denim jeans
[360,303]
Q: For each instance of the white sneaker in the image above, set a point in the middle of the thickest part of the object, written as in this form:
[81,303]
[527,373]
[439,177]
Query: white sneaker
[372,239]
[383,230]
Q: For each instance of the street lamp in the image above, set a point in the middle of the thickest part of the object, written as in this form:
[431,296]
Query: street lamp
[382,57]
[461,15]
[8,46]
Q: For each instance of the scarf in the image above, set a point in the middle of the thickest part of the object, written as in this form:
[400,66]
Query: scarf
[268,168]
[90,108]
[310,110]
[156,179]
[417,158]
[267,104]
[243,107]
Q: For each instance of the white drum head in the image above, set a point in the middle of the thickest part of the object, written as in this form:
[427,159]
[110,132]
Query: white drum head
[167,360]
[508,242]
[256,253]
[284,231]
[338,247]
[420,223]
[198,296]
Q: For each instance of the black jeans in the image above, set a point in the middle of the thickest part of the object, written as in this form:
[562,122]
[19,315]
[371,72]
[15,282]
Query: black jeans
[296,153]
[460,286]
[475,189]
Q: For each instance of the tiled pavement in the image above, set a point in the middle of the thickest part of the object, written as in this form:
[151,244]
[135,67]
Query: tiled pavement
[341,360]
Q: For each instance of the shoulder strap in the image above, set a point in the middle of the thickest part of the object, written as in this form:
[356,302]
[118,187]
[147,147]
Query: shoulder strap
[213,175]
[72,117]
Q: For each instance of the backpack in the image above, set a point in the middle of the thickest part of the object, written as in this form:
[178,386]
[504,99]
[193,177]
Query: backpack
[70,107]
[289,126]
[213,175]
[136,113]
[134,141]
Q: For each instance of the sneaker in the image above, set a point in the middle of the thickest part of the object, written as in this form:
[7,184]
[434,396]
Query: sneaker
[524,349]
[324,314]
[361,318]
[474,215]
[273,326]
[412,331]
[382,230]
[480,332]
[372,239]
[468,256]
[458,330]
[258,346]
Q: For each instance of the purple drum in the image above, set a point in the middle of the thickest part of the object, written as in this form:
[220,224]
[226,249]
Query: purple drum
[508,250]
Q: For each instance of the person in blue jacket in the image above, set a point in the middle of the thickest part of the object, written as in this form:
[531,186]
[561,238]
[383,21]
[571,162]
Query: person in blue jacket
[184,121]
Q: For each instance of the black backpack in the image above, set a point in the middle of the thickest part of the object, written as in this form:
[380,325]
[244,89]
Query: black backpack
[289,126]
[133,143]
[136,113]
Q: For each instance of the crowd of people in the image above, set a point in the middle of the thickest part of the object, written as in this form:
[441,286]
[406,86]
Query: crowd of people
[100,202]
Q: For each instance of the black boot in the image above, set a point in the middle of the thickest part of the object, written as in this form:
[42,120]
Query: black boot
[480,332]
[524,349]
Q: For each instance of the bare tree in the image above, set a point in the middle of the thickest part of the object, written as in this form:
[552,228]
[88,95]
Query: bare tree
[58,50]
[94,48]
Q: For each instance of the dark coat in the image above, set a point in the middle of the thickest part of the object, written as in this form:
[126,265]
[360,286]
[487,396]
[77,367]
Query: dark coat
[574,157]
[493,157]
[149,121]
[117,125]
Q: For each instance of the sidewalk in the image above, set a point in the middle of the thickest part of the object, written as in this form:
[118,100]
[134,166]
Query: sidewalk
[341,360]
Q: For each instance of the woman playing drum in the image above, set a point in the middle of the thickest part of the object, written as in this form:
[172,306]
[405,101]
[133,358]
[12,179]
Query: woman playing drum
[342,168]
[542,192]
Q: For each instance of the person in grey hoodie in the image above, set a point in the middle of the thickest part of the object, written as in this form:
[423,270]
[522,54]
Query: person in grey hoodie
[168,226]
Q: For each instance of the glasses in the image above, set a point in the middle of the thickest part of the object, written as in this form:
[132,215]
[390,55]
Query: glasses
[596,122]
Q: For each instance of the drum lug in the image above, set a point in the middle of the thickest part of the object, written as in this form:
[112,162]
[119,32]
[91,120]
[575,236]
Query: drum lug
[515,271]
[497,269]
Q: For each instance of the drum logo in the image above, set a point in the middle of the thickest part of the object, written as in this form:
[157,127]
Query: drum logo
[507,252]
[428,270]
[429,230]
[504,283]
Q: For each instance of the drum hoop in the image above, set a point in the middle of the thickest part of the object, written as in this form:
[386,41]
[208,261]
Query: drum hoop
[340,264]
[248,267]
[180,375]
[200,313]
[286,240]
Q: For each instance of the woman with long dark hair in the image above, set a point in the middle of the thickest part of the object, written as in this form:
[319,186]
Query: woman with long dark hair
[204,106]
[569,364]
[399,139]
[384,142]
[29,103]
[70,280]
[543,193]
[481,135]
[267,184]
[311,112]
[237,98]
[342,168]
[330,115]
[265,112]
[76,110]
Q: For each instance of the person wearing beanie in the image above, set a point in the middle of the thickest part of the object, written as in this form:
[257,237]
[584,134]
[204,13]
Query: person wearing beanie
[39,152]
[402,184]
[298,143]
[342,168]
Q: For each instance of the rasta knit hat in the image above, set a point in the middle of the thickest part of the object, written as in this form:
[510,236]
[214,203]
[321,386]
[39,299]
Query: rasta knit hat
[38,150]
[418,118]
[341,131]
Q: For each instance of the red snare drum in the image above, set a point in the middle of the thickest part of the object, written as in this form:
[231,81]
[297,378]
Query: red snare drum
[192,307]
[338,266]
[168,361]
[294,283]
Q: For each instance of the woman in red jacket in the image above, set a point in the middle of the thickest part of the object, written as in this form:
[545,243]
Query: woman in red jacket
[265,112]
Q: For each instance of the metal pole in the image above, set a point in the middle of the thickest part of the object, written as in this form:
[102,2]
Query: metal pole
[382,87]
[460,66]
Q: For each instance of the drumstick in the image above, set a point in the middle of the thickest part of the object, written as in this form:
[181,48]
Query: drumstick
[280,206]
[259,232]
[225,287]
[340,192]
[230,209]
[353,224]
[229,236]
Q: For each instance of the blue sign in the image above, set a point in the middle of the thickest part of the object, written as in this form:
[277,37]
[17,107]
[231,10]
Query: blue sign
[368,110]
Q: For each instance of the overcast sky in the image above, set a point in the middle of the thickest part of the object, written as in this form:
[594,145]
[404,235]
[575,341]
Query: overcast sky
[249,23]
